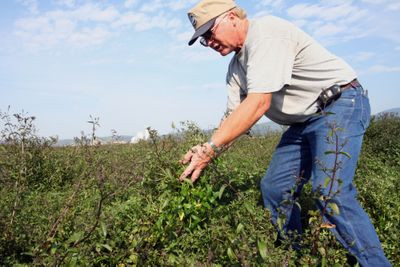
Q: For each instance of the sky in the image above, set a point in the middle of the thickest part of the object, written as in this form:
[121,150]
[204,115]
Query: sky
[127,62]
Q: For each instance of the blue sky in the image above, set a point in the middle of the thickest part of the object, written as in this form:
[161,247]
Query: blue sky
[128,63]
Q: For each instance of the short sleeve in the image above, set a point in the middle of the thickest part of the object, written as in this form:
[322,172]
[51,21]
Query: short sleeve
[234,98]
[269,64]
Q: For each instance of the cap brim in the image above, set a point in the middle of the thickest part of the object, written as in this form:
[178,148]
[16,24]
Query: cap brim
[202,30]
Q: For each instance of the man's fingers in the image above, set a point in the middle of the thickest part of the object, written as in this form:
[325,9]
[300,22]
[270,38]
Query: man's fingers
[187,172]
[188,156]
[196,174]
[198,161]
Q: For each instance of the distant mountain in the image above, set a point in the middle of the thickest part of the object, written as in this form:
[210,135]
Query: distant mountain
[65,142]
[258,129]
[103,140]
[122,138]
[266,127]
[392,110]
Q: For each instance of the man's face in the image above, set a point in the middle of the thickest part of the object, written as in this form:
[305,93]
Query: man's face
[222,37]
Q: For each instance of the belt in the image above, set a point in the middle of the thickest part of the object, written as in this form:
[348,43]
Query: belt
[334,92]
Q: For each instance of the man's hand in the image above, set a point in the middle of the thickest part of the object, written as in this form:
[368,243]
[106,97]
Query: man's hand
[238,122]
[199,157]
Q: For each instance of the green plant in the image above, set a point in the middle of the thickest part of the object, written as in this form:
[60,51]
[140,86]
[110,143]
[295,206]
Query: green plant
[148,218]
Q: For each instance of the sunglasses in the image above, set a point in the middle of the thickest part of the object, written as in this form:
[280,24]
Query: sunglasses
[208,35]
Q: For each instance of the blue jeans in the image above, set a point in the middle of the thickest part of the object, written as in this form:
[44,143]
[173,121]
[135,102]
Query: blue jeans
[303,153]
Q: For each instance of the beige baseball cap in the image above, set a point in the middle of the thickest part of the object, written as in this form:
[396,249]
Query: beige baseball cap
[204,14]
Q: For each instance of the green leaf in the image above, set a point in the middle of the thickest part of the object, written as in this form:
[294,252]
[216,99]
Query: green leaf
[107,247]
[329,152]
[221,191]
[322,251]
[239,228]
[188,181]
[345,154]
[248,207]
[280,222]
[231,254]
[334,207]
[262,248]
[103,228]
[53,250]
[31,254]
[195,218]
[168,174]
[166,202]
[75,237]
[327,181]
[323,262]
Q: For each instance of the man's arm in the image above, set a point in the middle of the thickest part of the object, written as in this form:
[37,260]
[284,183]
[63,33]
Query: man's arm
[242,119]
[237,123]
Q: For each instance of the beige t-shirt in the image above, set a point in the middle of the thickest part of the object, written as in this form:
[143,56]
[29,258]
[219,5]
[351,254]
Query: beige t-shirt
[277,57]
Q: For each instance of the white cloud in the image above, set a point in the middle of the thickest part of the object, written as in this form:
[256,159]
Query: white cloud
[70,27]
[91,12]
[271,3]
[129,19]
[89,36]
[195,53]
[363,56]
[214,86]
[322,12]
[67,3]
[32,5]
[143,22]
[173,5]
[201,88]
[301,23]
[374,1]
[331,22]
[329,29]
[262,13]
[382,69]
[395,6]
[184,36]
[159,21]
[266,7]
[130,3]
[91,24]
[152,6]
[181,4]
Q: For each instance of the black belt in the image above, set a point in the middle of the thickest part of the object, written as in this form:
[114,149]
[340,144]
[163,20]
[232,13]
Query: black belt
[334,92]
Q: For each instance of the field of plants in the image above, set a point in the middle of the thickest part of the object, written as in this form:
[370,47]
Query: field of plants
[122,205]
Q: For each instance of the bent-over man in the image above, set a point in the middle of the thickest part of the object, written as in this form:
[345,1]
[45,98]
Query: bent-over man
[279,71]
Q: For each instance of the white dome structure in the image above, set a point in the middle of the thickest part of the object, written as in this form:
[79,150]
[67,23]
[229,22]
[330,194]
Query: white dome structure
[140,136]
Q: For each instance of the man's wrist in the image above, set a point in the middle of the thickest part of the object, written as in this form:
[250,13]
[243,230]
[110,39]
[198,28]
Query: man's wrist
[214,147]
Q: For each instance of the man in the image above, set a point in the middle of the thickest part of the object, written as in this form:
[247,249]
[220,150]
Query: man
[281,72]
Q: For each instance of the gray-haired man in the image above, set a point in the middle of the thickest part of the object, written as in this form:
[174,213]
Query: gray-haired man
[281,72]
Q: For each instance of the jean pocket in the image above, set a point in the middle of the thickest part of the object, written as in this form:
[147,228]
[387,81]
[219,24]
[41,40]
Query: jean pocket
[348,98]
[348,101]
[365,112]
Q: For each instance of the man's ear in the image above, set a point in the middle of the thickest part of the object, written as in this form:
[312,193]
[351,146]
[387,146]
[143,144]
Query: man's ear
[232,17]
[232,14]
